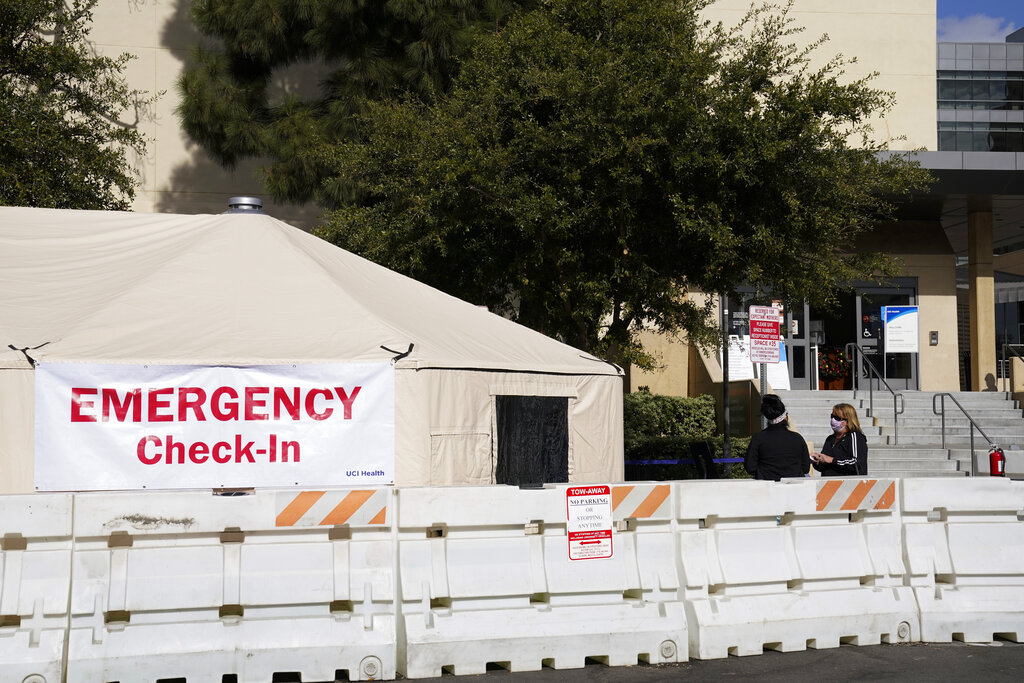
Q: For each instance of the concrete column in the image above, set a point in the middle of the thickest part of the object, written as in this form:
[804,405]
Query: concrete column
[982,301]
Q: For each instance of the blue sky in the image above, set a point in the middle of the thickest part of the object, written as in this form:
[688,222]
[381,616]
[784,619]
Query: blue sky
[979,21]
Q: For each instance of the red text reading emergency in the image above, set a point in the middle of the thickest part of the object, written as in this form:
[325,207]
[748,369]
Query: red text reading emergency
[223,404]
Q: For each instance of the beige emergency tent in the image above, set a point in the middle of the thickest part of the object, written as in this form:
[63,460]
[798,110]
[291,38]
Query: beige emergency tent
[246,289]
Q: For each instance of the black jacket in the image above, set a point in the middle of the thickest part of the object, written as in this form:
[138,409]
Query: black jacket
[777,452]
[850,453]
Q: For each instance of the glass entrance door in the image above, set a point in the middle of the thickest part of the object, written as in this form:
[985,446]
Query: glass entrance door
[810,335]
[799,351]
[829,331]
[857,318]
[899,370]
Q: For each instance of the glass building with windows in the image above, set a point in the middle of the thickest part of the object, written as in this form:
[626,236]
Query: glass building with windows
[981,96]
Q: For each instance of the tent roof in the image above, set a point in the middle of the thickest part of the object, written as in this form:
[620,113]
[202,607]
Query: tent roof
[234,289]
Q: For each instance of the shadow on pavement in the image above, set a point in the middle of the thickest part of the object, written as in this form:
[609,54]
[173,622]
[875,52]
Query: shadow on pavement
[998,661]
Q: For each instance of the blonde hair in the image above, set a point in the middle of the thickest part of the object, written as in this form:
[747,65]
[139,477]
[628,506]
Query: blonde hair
[849,414]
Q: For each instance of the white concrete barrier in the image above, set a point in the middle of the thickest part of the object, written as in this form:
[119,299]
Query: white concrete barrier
[198,586]
[965,557]
[643,513]
[150,586]
[772,566]
[35,577]
[486,578]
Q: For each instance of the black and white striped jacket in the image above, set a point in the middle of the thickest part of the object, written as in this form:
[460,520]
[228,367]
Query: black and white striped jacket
[850,453]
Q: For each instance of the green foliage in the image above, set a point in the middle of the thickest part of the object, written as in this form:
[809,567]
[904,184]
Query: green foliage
[655,415]
[658,427]
[366,51]
[62,143]
[595,161]
[737,449]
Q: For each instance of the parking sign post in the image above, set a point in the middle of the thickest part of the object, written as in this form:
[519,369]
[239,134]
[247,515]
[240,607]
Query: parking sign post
[764,341]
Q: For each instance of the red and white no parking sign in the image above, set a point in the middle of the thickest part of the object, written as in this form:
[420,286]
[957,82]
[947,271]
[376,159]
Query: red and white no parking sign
[764,334]
[589,525]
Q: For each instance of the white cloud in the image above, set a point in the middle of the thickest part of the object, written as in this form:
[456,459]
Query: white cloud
[977,28]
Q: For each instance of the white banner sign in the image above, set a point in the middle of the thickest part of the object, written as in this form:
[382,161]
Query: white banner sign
[778,373]
[901,329]
[183,426]
[741,368]
[739,359]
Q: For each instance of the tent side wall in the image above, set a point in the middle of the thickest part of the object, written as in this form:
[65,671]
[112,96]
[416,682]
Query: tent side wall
[446,429]
[17,425]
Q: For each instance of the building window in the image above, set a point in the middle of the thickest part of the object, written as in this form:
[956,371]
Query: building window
[981,90]
[981,136]
[995,98]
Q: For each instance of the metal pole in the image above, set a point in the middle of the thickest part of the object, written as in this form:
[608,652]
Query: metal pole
[856,366]
[764,390]
[814,380]
[895,420]
[871,397]
[1006,371]
[942,409]
[726,444]
[973,468]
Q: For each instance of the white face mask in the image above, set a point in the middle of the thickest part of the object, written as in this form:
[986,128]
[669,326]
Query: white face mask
[837,425]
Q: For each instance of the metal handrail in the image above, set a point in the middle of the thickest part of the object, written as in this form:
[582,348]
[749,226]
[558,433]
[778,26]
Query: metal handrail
[814,366]
[974,425]
[1006,368]
[1012,348]
[898,404]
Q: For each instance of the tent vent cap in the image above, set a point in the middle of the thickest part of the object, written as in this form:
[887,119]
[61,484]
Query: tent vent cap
[245,205]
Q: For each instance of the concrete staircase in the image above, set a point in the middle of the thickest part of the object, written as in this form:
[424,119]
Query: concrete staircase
[917,450]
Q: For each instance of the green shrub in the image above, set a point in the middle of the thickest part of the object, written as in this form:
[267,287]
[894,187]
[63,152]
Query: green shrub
[658,448]
[647,414]
[738,446]
[658,427]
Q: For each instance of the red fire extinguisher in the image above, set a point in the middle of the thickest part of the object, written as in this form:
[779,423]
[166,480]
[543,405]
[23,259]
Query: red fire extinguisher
[996,462]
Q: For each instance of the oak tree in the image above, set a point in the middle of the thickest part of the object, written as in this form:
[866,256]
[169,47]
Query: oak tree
[594,163]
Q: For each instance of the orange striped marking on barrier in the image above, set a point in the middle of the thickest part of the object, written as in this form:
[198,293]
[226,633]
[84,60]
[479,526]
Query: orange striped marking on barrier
[640,501]
[841,495]
[330,508]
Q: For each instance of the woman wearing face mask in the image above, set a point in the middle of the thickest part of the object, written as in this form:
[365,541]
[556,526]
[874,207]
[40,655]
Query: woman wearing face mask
[846,450]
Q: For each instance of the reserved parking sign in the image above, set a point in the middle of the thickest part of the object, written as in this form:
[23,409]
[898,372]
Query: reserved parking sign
[764,334]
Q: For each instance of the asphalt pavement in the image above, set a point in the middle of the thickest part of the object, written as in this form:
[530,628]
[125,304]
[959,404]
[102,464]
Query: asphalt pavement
[932,662]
